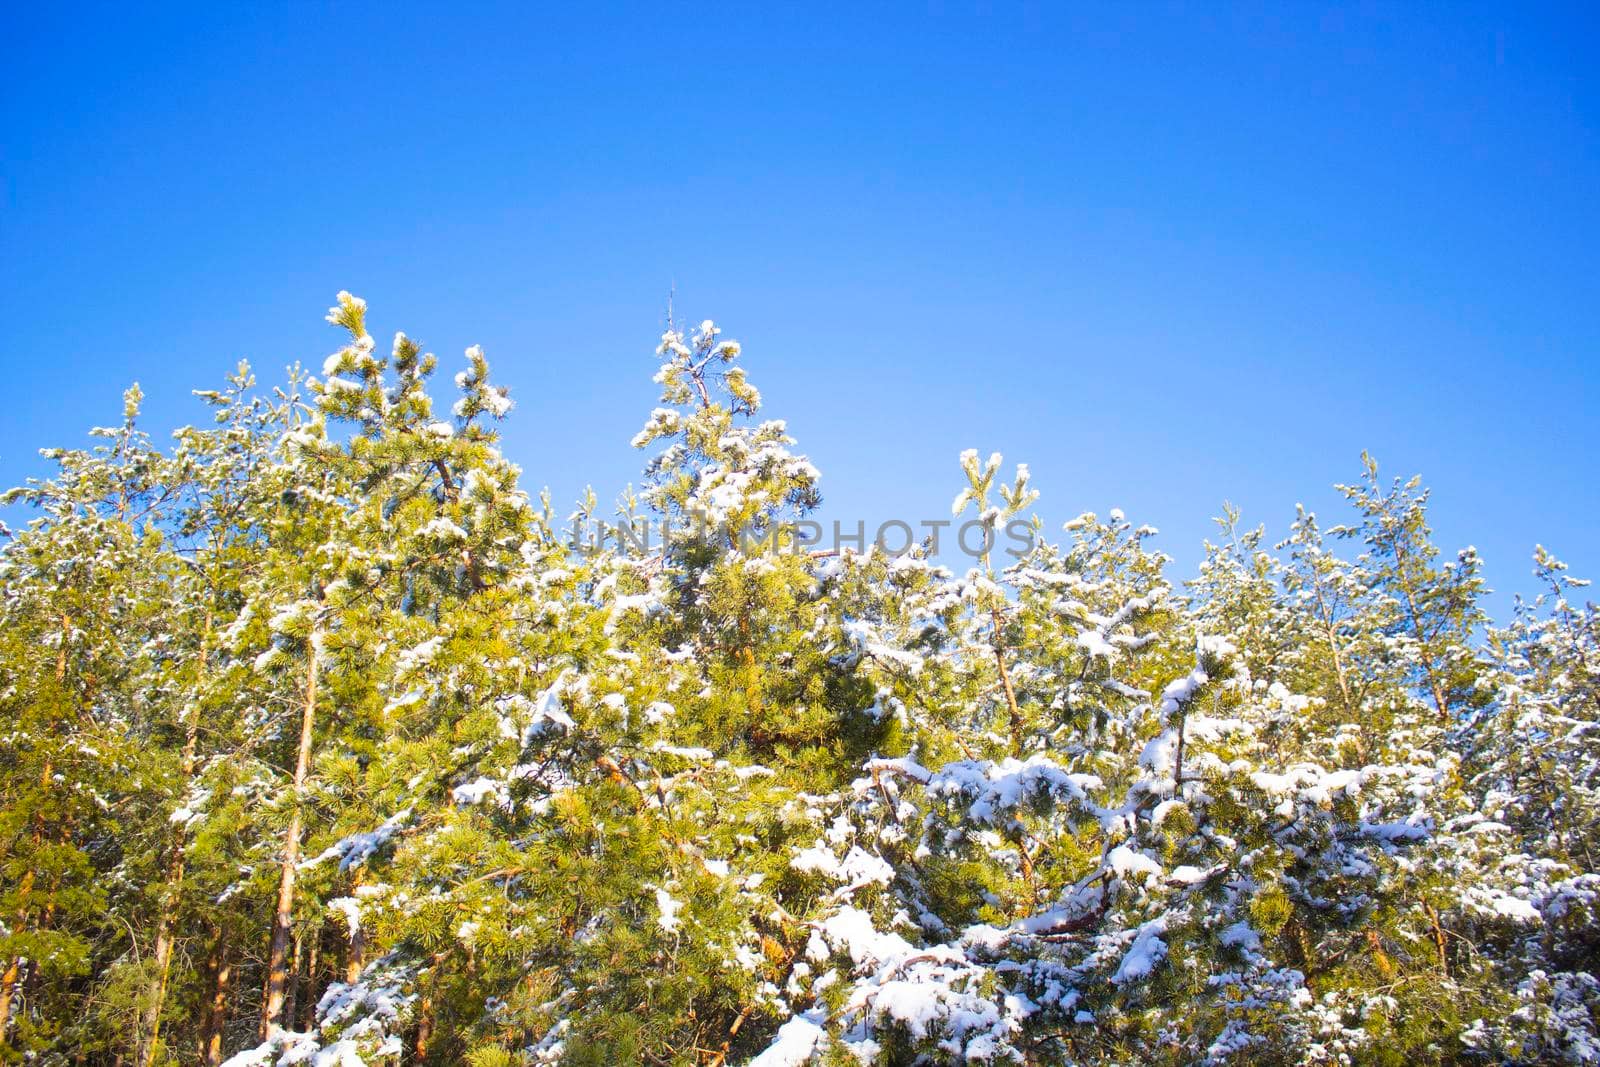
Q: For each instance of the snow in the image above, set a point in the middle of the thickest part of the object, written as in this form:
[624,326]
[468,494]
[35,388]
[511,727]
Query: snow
[356,849]
[497,402]
[992,790]
[293,618]
[646,604]
[852,930]
[404,700]
[1241,935]
[480,790]
[334,384]
[547,709]
[261,1055]
[1095,645]
[933,991]
[1416,827]
[350,909]
[442,529]
[697,754]
[795,1043]
[1516,908]
[419,655]
[866,641]
[858,868]
[663,421]
[668,908]
[1125,861]
[1182,691]
[346,303]
[1146,952]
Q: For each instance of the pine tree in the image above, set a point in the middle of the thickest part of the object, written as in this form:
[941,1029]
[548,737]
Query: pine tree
[1434,607]
[85,585]
[327,744]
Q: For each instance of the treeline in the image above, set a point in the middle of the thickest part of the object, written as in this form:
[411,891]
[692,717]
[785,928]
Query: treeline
[319,744]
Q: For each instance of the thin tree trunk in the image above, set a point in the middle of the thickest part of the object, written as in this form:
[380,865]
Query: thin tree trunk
[308,987]
[358,944]
[278,948]
[291,994]
[1438,939]
[747,652]
[8,986]
[1338,672]
[220,970]
[419,1047]
[1380,957]
[155,998]
[1440,704]
[150,1031]
[1177,762]
[61,834]
[13,971]
[1015,713]
[424,1027]
[61,656]
[1332,633]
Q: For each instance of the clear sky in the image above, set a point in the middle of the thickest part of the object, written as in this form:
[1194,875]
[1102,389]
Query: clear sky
[1166,254]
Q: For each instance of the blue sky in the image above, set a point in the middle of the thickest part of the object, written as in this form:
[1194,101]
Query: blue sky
[1166,254]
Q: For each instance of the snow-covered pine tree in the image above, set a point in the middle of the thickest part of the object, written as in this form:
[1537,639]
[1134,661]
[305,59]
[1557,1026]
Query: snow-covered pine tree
[1434,607]
[89,647]
[318,728]
[1535,764]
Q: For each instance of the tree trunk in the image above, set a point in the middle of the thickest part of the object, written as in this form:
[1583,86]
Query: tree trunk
[13,972]
[1331,631]
[155,997]
[215,1007]
[291,994]
[8,986]
[1014,712]
[1380,957]
[1177,761]
[424,1028]
[282,919]
[419,1048]
[155,1000]
[358,944]
[1438,939]
[1440,703]
[308,984]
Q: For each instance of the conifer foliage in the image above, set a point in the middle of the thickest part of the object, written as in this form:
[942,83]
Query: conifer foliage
[325,744]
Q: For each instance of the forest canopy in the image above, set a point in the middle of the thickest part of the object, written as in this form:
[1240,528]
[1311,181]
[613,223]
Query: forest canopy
[323,745]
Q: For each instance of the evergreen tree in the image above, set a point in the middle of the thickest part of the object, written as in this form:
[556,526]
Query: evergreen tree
[326,744]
